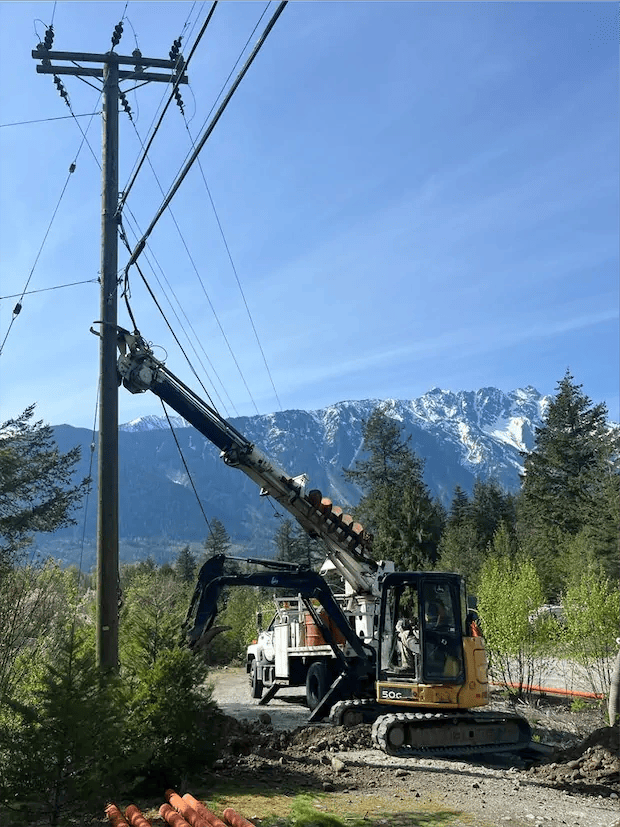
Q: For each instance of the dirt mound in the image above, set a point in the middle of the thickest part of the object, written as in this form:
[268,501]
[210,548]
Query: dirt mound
[243,737]
[324,738]
[592,766]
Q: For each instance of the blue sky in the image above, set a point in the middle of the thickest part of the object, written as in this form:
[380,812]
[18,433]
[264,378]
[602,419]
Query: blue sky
[414,195]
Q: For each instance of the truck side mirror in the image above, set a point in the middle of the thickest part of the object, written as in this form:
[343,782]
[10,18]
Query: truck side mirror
[259,621]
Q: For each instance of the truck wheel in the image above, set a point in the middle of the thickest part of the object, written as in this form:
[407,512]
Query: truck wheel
[317,683]
[256,685]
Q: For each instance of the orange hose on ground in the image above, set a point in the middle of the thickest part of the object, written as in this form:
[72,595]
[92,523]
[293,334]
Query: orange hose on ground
[187,811]
[136,819]
[115,816]
[211,819]
[171,816]
[569,693]
[236,820]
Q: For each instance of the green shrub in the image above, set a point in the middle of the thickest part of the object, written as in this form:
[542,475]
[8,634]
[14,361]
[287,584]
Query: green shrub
[62,735]
[592,610]
[509,593]
[172,724]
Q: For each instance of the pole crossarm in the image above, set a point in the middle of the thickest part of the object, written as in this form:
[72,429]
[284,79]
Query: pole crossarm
[141,63]
[108,57]
[98,73]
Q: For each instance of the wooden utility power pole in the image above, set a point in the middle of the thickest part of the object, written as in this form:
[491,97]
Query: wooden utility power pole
[107,512]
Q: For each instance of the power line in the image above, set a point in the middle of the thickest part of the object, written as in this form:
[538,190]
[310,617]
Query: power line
[185,465]
[181,176]
[47,289]
[72,168]
[145,151]
[204,290]
[18,306]
[234,269]
[163,315]
[145,157]
[46,120]
[126,296]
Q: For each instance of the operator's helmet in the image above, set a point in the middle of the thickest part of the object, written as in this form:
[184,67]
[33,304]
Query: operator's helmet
[403,625]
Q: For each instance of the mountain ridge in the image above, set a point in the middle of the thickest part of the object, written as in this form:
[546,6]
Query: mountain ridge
[461,436]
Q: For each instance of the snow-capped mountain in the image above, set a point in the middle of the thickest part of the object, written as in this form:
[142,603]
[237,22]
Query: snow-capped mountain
[489,429]
[460,436]
[153,423]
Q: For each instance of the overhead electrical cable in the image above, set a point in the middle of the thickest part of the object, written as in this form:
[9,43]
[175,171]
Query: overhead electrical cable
[187,471]
[126,295]
[164,317]
[126,291]
[181,176]
[213,310]
[206,294]
[47,289]
[18,306]
[61,90]
[175,87]
[47,120]
[46,45]
[93,446]
[234,269]
[215,316]
[221,229]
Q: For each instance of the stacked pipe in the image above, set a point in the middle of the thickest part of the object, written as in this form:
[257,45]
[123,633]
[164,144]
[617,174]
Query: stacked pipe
[343,524]
[185,811]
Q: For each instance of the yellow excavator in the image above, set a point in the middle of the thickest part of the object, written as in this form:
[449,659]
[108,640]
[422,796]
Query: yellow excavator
[397,649]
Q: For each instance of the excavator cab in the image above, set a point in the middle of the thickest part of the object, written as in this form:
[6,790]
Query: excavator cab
[426,656]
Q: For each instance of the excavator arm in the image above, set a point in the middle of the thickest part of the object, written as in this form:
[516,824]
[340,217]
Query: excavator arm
[199,626]
[349,546]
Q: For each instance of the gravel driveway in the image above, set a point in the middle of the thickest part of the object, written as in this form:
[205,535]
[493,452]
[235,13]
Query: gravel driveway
[486,794]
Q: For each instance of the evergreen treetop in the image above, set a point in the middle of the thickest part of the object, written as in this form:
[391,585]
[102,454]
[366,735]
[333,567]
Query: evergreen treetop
[575,453]
[396,505]
[218,539]
[37,492]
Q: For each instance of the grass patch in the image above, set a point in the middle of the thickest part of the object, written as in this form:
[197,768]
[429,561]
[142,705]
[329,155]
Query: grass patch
[353,809]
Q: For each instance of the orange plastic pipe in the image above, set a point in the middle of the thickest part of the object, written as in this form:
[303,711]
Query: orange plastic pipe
[211,819]
[187,811]
[115,816]
[569,693]
[171,816]
[136,819]
[236,820]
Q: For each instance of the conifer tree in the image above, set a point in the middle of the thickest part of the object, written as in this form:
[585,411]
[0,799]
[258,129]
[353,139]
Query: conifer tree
[564,474]
[458,552]
[396,504]
[37,492]
[218,540]
[69,744]
[294,545]
[471,526]
[185,565]
[459,508]
[490,506]
[570,482]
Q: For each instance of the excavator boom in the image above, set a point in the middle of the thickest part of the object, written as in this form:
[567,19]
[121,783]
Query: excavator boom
[349,546]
